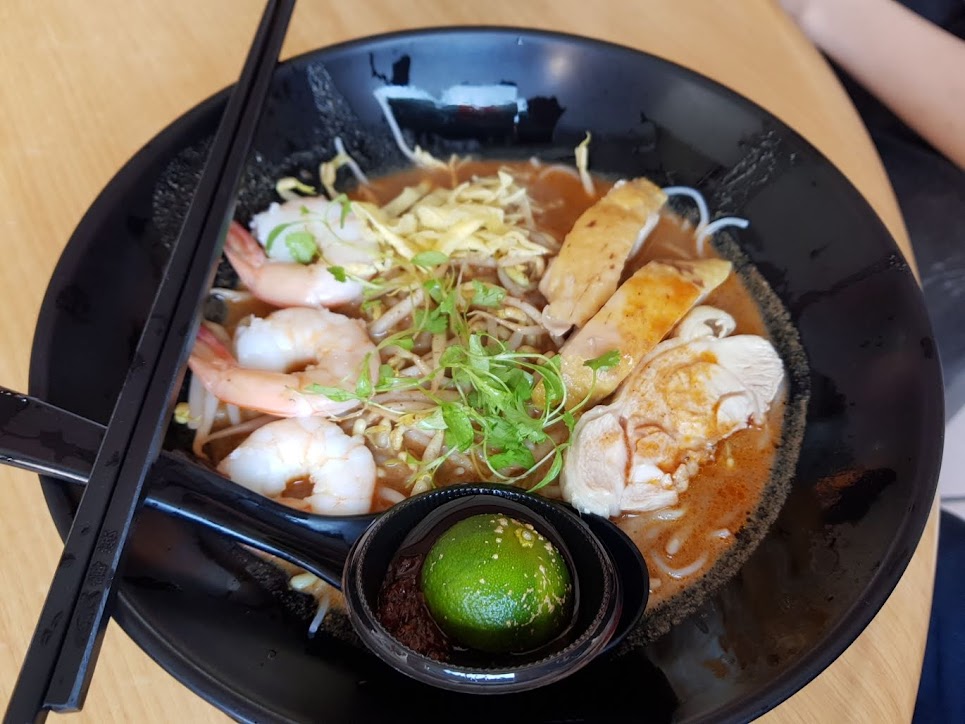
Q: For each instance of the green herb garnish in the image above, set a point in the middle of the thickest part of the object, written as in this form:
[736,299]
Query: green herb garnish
[429,259]
[604,361]
[430,320]
[336,394]
[363,386]
[301,245]
[274,233]
[486,295]
[459,431]
[346,205]
[482,393]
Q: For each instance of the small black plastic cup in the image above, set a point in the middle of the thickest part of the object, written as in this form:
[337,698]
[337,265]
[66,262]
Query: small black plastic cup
[596,586]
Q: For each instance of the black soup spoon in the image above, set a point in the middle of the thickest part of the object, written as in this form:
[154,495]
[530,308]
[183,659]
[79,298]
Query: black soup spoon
[353,552]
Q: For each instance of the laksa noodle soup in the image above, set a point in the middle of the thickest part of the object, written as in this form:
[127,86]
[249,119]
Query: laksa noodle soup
[522,323]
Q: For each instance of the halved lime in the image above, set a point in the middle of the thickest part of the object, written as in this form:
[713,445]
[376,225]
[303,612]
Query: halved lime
[495,584]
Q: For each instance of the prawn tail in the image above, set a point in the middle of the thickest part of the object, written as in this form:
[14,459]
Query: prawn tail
[244,252]
[210,357]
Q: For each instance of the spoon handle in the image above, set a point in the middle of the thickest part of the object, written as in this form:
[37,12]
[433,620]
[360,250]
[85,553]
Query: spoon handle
[187,491]
[45,439]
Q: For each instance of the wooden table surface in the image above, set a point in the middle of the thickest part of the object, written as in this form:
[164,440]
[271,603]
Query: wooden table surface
[85,84]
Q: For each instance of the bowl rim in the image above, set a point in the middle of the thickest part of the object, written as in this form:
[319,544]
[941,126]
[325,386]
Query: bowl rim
[237,704]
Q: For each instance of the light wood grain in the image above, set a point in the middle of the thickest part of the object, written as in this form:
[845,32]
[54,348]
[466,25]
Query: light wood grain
[87,83]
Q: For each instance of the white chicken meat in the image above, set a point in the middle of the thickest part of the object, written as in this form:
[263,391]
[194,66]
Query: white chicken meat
[693,391]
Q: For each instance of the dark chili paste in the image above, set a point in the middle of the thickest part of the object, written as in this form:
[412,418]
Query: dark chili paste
[403,613]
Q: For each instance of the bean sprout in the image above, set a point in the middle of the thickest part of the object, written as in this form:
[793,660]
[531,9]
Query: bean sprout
[670,514]
[350,162]
[525,307]
[381,326]
[677,573]
[716,225]
[511,286]
[418,156]
[390,495]
[514,326]
[242,428]
[434,448]
[698,199]
[323,603]
[234,414]
[558,168]
[677,541]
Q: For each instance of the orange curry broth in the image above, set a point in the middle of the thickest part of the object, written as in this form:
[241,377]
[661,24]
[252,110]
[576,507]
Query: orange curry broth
[727,490]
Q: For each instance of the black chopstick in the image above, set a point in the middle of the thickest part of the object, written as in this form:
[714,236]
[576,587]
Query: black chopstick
[57,668]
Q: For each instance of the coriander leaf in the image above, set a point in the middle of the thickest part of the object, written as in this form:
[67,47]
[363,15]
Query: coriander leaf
[336,394]
[459,432]
[486,295]
[371,307]
[346,208]
[301,245]
[452,356]
[569,420]
[519,457]
[435,421]
[406,343]
[273,235]
[494,347]
[386,375]
[304,210]
[553,387]
[363,386]
[390,380]
[520,385]
[501,434]
[476,347]
[428,259]
[530,430]
[604,361]
[434,287]
[430,321]
[554,470]
[338,272]
[479,362]
[447,305]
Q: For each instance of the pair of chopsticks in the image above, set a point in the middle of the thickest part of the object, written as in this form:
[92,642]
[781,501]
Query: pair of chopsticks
[57,669]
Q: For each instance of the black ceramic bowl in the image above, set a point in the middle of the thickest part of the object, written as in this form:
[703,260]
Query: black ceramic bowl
[227,626]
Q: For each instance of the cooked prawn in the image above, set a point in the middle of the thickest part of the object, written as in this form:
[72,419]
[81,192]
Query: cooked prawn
[340,468]
[281,359]
[276,277]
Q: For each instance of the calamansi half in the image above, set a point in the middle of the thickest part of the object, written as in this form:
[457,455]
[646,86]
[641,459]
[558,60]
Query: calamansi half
[495,584]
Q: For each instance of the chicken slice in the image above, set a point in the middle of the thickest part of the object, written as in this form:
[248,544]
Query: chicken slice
[640,452]
[643,311]
[576,284]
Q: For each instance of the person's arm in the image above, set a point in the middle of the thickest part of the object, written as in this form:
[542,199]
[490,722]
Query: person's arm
[913,67]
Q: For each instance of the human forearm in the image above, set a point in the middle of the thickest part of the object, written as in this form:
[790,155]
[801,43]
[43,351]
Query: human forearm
[912,66]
